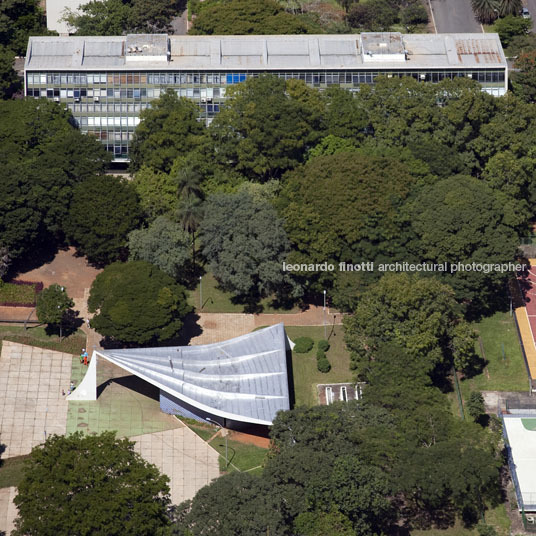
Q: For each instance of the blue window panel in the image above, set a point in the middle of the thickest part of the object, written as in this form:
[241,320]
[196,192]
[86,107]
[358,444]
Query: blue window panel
[229,78]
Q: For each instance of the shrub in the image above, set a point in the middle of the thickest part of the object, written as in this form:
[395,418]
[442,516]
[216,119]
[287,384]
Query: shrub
[323,365]
[303,345]
[323,345]
[320,354]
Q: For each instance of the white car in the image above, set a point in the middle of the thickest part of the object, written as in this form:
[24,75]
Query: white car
[525,13]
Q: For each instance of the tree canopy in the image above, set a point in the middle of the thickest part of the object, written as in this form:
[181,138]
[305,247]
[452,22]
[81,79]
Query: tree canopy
[167,129]
[418,314]
[245,244]
[52,304]
[239,17]
[90,485]
[103,211]
[137,303]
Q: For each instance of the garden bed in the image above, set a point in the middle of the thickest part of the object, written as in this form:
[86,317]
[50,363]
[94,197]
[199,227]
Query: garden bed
[19,293]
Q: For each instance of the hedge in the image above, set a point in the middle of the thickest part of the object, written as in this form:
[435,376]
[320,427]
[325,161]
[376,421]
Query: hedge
[323,345]
[323,365]
[303,345]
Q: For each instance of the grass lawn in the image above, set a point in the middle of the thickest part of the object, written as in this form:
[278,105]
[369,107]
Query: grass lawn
[22,294]
[497,518]
[216,300]
[11,471]
[500,374]
[306,375]
[36,336]
[242,457]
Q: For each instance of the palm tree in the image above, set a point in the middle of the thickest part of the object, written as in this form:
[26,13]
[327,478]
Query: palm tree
[486,11]
[189,183]
[190,214]
[509,7]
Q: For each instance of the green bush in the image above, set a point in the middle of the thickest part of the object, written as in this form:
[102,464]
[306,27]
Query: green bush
[303,345]
[323,345]
[323,365]
[320,354]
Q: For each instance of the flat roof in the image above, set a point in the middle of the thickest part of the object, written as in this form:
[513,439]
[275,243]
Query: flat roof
[521,434]
[265,52]
[243,379]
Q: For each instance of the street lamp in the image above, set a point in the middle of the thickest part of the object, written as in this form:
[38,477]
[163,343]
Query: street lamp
[226,446]
[200,292]
[324,316]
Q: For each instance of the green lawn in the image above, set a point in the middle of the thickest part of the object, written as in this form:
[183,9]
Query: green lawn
[36,336]
[22,294]
[242,457]
[306,375]
[496,517]
[11,471]
[500,374]
[216,300]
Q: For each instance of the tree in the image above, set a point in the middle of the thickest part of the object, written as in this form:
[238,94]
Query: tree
[158,191]
[52,304]
[5,261]
[168,129]
[461,220]
[137,303]
[344,207]
[44,157]
[119,17]
[165,244]
[263,131]
[9,81]
[376,15]
[103,211]
[245,245]
[320,523]
[475,405]
[509,7]
[413,15]
[90,485]
[344,116]
[486,11]
[18,20]
[239,17]
[523,80]
[510,26]
[237,503]
[418,314]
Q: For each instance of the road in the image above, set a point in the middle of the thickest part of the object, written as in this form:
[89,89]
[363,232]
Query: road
[531,4]
[456,16]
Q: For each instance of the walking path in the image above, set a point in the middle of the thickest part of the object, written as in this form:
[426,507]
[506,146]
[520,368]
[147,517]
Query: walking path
[8,510]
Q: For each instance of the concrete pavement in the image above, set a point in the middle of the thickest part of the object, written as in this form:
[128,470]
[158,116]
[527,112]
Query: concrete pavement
[455,16]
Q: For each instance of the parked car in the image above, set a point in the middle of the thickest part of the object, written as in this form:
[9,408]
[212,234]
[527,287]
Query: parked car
[525,13]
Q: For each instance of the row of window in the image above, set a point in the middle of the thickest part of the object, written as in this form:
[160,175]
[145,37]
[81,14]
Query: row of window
[135,93]
[170,78]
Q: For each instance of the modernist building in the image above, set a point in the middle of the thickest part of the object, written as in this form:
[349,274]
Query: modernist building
[242,380]
[107,81]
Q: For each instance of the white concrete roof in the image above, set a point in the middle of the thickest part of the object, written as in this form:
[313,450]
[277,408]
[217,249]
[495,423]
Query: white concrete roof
[267,52]
[522,443]
[243,379]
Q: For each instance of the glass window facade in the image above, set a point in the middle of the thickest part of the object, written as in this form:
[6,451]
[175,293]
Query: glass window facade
[107,104]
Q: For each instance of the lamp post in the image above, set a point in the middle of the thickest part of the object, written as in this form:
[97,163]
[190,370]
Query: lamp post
[200,292]
[226,447]
[324,315]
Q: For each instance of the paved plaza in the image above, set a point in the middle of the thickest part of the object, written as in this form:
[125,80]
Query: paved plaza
[32,405]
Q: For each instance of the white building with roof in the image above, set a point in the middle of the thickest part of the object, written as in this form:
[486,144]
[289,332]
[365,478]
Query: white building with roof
[107,81]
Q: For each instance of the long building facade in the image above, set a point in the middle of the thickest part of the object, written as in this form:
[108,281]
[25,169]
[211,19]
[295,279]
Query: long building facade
[107,81]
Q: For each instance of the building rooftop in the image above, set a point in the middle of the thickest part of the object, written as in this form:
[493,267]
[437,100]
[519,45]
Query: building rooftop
[266,52]
[243,379]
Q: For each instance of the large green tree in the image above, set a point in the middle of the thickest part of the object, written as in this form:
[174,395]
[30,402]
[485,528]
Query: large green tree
[137,303]
[103,211]
[524,77]
[90,485]
[165,244]
[168,129]
[52,304]
[462,220]
[419,314]
[239,17]
[263,130]
[9,81]
[245,244]
[118,17]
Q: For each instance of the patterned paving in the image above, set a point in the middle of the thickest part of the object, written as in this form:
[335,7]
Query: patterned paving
[8,511]
[32,405]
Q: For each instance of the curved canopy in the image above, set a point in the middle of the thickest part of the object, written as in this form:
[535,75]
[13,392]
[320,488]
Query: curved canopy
[243,379]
